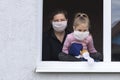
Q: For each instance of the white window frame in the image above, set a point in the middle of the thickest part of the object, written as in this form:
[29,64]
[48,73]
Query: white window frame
[60,66]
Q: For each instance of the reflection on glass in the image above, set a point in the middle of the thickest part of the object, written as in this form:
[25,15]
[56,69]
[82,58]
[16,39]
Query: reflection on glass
[116,42]
[115,30]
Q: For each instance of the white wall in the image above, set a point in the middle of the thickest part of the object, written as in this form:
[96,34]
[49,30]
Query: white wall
[18,50]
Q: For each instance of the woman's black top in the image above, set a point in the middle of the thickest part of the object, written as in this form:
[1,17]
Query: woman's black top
[51,46]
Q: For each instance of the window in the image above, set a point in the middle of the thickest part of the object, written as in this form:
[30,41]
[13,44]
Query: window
[94,9]
[100,17]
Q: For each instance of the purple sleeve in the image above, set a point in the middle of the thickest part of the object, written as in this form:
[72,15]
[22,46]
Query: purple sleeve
[66,45]
[90,46]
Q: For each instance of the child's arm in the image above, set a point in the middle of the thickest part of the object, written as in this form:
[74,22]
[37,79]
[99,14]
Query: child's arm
[90,45]
[66,45]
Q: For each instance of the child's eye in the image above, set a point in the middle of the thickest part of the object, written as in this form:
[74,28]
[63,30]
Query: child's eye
[85,30]
[84,15]
[80,30]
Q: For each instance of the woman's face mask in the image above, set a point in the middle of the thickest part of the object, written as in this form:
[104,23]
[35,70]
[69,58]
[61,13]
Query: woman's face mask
[59,26]
[80,35]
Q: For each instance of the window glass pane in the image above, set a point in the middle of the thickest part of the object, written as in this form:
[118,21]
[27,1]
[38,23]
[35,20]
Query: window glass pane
[93,8]
[115,4]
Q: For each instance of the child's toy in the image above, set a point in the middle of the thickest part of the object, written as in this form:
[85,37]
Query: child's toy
[76,50]
[86,55]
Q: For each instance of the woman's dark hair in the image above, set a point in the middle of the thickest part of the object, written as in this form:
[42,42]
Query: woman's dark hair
[59,11]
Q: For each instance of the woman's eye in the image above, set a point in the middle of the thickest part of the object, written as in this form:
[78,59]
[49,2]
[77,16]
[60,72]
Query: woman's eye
[63,20]
[59,20]
[55,20]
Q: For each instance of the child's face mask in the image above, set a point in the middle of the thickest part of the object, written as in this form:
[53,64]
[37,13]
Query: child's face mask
[80,35]
[59,26]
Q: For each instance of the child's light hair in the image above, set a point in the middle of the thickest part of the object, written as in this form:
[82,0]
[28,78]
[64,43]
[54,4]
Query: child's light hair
[81,18]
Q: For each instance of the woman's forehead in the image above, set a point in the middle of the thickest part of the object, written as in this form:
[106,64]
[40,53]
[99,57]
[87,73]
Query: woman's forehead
[60,15]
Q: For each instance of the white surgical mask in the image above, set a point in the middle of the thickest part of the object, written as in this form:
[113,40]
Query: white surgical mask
[59,26]
[80,35]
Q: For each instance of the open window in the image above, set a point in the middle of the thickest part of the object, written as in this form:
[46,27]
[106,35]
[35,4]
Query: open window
[99,12]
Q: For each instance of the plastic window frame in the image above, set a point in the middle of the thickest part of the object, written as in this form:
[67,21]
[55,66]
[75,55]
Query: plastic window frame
[59,66]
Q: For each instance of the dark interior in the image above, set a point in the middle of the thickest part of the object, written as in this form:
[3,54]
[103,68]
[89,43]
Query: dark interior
[94,9]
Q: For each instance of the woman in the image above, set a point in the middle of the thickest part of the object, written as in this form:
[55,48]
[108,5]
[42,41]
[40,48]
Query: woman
[54,38]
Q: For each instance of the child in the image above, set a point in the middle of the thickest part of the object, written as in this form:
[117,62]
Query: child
[80,43]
